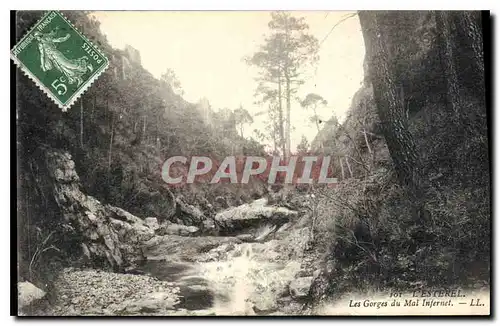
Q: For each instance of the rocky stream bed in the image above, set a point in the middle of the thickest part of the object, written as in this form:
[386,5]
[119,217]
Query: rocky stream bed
[259,272]
[243,260]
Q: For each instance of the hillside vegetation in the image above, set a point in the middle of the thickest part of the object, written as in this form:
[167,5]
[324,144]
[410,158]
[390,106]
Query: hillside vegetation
[414,206]
[119,133]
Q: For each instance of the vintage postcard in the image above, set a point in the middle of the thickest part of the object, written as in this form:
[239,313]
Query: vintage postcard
[252,163]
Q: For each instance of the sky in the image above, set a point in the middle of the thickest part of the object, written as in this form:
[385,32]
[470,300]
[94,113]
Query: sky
[206,51]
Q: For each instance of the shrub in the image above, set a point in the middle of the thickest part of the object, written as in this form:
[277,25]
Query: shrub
[371,240]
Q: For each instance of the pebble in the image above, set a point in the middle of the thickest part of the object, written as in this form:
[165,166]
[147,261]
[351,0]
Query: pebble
[81,292]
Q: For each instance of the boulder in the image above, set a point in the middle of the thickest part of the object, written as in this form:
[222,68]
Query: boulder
[219,253]
[169,228]
[191,215]
[284,227]
[264,231]
[299,287]
[205,205]
[140,231]
[131,232]
[178,248]
[28,293]
[251,215]
[245,237]
[152,222]
[265,305]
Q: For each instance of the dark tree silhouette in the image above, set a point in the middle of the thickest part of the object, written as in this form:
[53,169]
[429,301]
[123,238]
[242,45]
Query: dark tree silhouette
[388,100]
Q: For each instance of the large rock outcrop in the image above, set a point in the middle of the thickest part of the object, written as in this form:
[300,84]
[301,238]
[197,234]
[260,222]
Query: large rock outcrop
[108,236]
[252,215]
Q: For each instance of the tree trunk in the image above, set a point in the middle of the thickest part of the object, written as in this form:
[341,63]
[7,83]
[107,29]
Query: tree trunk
[81,123]
[472,24]
[288,122]
[318,129]
[445,26]
[342,168]
[280,117]
[370,151]
[317,125]
[348,167]
[93,109]
[110,151]
[399,140]
[288,90]
[366,141]
[275,142]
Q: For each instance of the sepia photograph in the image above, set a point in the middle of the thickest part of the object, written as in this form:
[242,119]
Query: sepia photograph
[251,163]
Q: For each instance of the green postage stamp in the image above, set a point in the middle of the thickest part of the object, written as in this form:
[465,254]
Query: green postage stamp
[59,59]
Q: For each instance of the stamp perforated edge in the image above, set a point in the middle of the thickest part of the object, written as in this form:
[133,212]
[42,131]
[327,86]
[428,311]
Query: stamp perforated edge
[41,86]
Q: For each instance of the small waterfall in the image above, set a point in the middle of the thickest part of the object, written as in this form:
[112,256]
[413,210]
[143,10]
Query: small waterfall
[249,280]
[235,283]
[235,278]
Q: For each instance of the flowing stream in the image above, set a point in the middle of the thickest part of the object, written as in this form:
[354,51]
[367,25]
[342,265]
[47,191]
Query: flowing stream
[248,278]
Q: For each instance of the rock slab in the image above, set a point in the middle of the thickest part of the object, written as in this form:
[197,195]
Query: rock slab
[251,215]
[299,288]
[28,293]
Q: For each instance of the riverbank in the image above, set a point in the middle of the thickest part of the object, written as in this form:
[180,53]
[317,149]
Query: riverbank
[262,270]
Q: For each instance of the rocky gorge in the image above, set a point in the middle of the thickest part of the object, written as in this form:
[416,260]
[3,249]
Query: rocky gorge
[247,259]
[100,233]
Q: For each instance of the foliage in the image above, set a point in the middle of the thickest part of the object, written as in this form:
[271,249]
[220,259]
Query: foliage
[377,242]
[171,79]
[288,51]
[242,117]
[303,146]
[314,101]
[371,237]
[132,122]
